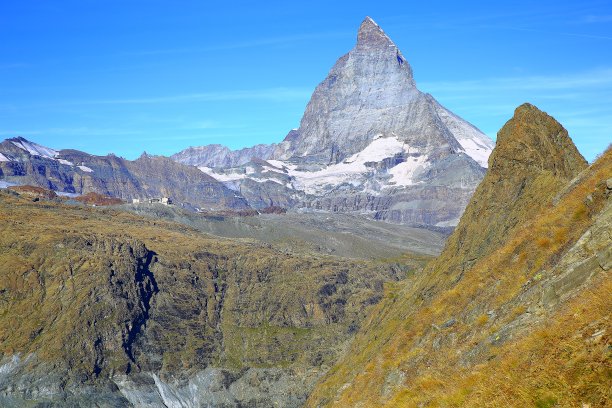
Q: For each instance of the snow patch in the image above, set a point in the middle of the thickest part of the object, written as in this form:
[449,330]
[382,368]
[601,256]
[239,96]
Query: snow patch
[66,162]
[85,169]
[476,144]
[314,182]
[277,164]
[404,173]
[35,149]
[448,223]
[3,158]
[380,149]
[64,194]
[476,150]
[223,177]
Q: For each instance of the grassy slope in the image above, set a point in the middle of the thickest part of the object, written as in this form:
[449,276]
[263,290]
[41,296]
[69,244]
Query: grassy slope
[473,329]
[76,283]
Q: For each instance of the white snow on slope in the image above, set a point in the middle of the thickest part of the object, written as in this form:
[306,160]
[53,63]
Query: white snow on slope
[222,177]
[316,182]
[277,164]
[476,144]
[64,194]
[36,149]
[404,173]
[230,179]
[476,150]
[380,149]
[352,170]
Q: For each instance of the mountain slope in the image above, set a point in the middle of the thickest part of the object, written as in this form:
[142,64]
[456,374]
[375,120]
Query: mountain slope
[75,172]
[100,307]
[369,142]
[515,311]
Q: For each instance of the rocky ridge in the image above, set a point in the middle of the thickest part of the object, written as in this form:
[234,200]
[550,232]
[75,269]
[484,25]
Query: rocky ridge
[216,155]
[71,172]
[522,279]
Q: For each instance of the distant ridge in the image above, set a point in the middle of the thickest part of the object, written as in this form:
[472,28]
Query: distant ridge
[73,172]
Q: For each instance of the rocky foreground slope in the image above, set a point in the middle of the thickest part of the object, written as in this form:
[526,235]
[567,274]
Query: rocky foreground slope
[516,309]
[100,307]
[369,143]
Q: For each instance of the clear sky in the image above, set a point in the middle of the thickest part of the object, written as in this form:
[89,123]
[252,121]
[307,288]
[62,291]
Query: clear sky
[126,76]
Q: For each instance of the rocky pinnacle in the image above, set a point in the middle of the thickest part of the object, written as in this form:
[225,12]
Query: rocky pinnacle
[369,93]
[372,38]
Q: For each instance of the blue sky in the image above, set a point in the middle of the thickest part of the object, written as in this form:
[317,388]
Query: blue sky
[161,75]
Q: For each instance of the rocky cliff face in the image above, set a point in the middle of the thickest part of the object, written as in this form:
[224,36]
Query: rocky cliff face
[517,297]
[104,308]
[369,142]
[216,155]
[74,172]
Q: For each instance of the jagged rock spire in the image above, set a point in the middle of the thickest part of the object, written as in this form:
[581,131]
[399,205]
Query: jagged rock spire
[371,35]
[532,139]
[533,159]
[372,40]
[374,77]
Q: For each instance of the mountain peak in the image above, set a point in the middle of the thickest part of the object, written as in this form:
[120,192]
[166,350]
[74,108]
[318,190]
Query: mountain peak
[534,139]
[371,35]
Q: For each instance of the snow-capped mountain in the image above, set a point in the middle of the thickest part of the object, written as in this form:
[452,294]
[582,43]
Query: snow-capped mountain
[71,172]
[369,142]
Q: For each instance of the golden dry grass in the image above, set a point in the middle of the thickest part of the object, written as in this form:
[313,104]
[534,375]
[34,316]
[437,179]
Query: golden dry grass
[67,279]
[547,361]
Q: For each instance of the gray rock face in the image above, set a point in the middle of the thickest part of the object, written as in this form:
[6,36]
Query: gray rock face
[211,387]
[75,172]
[370,93]
[368,135]
[364,95]
[273,387]
[216,155]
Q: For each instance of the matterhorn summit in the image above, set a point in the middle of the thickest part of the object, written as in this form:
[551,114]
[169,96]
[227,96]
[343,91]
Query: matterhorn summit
[369,143]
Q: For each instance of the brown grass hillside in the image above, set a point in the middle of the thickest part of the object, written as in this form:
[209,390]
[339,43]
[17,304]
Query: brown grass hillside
[93,293]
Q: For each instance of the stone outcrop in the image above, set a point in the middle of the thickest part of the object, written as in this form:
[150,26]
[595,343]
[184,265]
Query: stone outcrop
[533,159]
